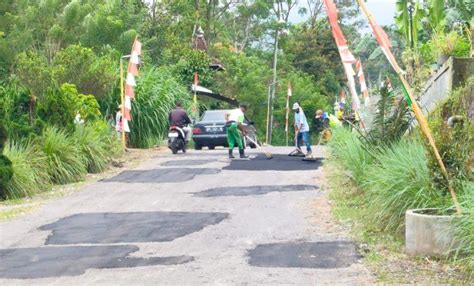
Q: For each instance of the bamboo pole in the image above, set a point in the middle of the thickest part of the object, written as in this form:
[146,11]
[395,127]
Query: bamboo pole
[287,111]
[418,113]
[122,103]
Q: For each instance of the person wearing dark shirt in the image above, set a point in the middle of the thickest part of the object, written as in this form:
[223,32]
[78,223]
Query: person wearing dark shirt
[178,117]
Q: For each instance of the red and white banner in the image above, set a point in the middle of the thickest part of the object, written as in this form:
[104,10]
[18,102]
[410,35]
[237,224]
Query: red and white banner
[288,106]
[363,86]
[130,82]
[346,56]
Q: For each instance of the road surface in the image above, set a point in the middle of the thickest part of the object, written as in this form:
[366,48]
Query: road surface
[187,219]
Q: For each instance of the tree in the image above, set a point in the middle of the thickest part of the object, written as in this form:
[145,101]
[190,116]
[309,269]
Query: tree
[83,68]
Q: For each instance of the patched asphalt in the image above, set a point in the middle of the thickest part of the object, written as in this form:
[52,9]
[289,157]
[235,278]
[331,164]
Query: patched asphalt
[181,163]
[161,175]
[103,228]
[193,219]
[41,262]
[325,255]
[253,190]
[279,162]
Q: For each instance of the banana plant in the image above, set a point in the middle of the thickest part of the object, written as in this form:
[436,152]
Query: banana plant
[437,13]
[402,19]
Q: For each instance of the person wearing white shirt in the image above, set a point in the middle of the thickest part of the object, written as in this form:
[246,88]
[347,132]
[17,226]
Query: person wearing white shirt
[302,128]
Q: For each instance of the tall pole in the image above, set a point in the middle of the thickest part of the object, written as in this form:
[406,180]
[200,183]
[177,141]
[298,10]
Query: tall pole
[122,104]
[272,91]
[287,112]
[418,114]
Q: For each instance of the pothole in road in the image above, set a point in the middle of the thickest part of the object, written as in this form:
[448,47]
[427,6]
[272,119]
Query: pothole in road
[278,162]
[187,163]
[253,190]
[42,262]
[103,228]
[161,175]
[330,254]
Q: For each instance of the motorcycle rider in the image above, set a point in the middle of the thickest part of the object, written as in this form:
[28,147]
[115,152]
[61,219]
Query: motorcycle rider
[178,117]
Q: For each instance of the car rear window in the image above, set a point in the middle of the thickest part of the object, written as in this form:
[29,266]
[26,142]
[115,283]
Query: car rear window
[215,115]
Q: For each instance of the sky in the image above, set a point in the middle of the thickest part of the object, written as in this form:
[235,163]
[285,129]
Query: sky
[383,11]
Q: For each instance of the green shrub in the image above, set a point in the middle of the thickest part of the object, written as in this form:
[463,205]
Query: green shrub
[59,107]
[157,92]
[6,171]
[400,180]
[349,151]
[30,174]
[98,145]
[65,161]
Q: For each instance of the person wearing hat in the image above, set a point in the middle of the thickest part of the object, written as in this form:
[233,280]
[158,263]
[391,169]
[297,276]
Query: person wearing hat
[302,128]
[323,123]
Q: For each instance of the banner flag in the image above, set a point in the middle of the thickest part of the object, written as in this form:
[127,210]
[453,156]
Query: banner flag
[347,58]
[133,68]
[137,47]
[363,86]
[134,58]
[129,91]
[131,80]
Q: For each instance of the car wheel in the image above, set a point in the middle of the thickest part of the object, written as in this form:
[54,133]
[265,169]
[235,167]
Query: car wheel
[197,147]
[212,147]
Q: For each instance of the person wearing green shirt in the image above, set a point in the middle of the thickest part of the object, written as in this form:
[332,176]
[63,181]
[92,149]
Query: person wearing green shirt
[234,123]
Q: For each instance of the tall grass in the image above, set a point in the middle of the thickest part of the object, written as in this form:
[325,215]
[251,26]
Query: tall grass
[398,181]
[30,174]
[65,161]
[465,227]
[97,145]
[348,150]
[157,93]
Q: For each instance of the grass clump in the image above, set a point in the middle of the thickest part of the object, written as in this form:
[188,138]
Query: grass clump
[399,180]
[65,160]
[464,230]
[348,150]
[29,172]
[95,141]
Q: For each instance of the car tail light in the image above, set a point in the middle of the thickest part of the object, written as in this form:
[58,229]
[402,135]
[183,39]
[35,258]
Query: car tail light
[197,130]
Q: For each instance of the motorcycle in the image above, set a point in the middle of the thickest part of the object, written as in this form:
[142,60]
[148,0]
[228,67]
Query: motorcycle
[176,139]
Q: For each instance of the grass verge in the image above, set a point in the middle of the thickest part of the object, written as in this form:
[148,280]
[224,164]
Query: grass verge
[383,253]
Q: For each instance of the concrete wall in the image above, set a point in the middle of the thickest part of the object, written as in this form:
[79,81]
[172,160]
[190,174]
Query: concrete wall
[453,72]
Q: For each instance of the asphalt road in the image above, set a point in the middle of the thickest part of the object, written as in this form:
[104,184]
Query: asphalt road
[187,219]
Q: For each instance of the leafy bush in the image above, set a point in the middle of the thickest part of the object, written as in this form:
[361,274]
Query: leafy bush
[97,144]
[59,107]
[157,91]
[400,180]
[456,143]
[81,66]
[6,171]
[349,151]
[30,174]
[14,111]
[65,161]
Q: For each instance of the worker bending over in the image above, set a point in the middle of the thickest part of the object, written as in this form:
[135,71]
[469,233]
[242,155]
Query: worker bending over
[234,126]
[302,129]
